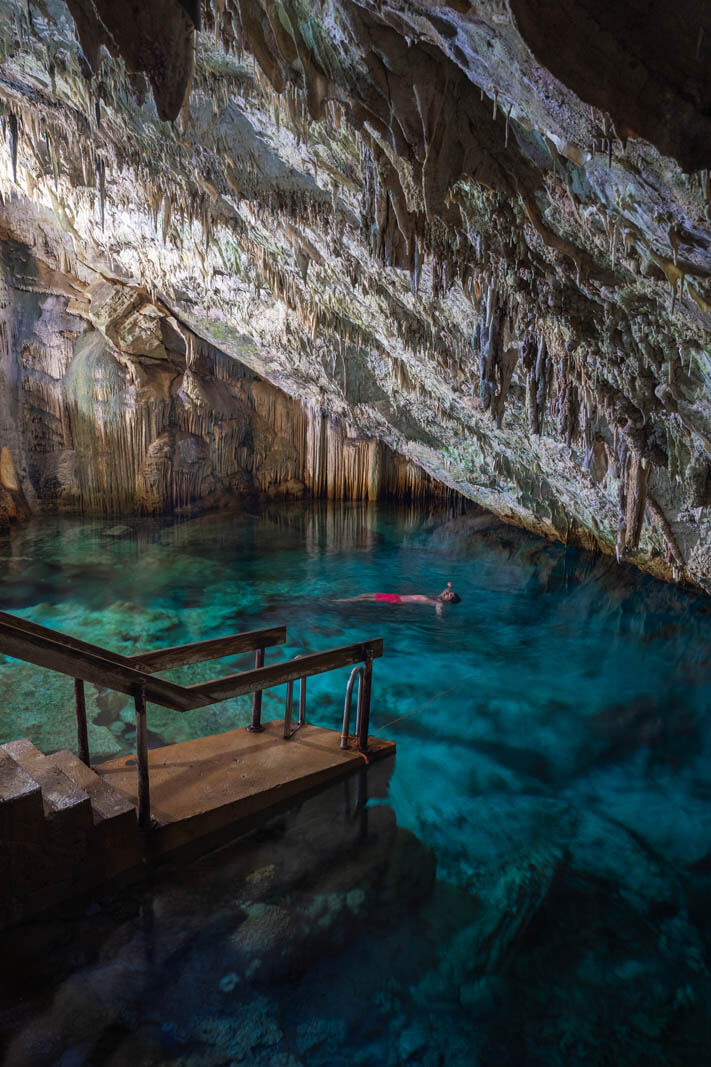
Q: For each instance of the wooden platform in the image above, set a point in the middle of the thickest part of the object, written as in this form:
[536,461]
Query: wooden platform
[66,829]
[200,787]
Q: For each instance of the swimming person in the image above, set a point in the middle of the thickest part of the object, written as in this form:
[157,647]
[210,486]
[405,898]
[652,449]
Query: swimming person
[447,596]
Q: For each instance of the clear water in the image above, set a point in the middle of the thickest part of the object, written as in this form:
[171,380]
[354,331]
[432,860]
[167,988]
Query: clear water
[553,769]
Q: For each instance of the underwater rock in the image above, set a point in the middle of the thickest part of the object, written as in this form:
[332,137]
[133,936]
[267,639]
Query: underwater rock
[390,869]
[117,531]
[314,1032]
[509,900]
[605,850]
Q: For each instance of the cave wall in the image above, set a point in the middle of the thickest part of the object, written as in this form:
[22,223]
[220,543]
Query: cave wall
[443,227]
[140,416]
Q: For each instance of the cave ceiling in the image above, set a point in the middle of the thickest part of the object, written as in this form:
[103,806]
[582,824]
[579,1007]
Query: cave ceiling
[479,232]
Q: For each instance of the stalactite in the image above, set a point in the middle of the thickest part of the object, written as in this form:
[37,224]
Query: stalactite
[542,379]
[674,555]
[528,354]
[567,405]
[636,500]
[505,367]
[341,465]
[622,457]
[490,344]
[13,134]
[101,183]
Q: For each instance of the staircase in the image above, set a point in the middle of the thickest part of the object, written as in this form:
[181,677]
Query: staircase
[63,829]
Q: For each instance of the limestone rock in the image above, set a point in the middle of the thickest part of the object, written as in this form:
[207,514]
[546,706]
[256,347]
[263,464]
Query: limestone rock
[463,237]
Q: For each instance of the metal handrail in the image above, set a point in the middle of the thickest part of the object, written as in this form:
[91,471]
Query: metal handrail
[358,672]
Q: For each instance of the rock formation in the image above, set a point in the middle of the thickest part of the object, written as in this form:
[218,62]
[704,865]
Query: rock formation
[472,235]
[113,406]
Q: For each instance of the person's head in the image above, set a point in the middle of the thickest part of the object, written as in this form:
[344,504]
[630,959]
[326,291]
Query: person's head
[448,596]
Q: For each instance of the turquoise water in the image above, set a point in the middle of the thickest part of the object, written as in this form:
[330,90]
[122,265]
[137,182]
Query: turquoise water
[533,888]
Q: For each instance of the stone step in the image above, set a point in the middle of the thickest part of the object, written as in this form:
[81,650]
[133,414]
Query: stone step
[106,802]
[62,798]
[20,799]
[22,828]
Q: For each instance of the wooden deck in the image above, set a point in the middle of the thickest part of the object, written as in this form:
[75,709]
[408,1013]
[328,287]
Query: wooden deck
[200,787]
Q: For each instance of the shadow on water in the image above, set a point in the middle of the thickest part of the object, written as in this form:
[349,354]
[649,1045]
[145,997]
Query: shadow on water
[205,961]
[554,765]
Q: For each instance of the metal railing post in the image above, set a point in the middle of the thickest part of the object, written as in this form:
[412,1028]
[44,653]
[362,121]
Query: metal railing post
[288,732]
[82,731]
[255,727]
[302,701]
[287,713]
[364,704]
[144,791]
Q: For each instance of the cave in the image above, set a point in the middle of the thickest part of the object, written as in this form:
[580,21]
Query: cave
[355,533]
